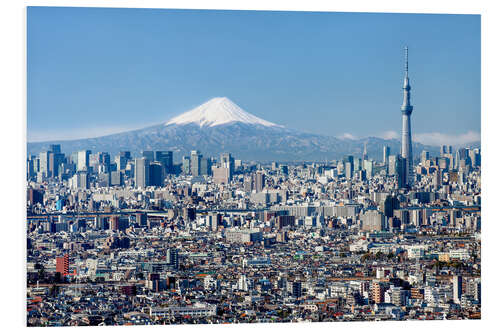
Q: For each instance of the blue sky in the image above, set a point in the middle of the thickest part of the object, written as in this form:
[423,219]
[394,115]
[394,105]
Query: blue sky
[94,71]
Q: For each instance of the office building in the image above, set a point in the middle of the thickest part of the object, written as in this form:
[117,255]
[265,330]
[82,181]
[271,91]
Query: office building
[385,155]
[259,181]
[156,171]
[83,162]
[368,167]
[221,175]
[186,165]
[166,159]
[205,167]
[392,165]
[142,172]
[121,162]
[400,169]
[348,170]
[149,155]
[424,156]
[195,163]
[116,178]
[227,161]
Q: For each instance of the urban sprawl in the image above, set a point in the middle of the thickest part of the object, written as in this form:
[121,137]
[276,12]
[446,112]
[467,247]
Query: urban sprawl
[139,241]
[147,241]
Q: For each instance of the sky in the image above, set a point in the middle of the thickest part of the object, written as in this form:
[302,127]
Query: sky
[97,71]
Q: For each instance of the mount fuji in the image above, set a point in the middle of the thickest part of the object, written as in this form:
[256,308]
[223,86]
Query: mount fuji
[218,111]
[220,125]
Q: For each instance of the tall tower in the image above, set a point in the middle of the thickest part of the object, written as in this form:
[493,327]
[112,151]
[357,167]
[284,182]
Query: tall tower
[406,109]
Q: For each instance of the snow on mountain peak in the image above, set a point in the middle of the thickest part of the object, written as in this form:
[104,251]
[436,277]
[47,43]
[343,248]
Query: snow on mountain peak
[218,111]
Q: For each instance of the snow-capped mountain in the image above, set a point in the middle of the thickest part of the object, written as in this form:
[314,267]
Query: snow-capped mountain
[218,111]
[220,125]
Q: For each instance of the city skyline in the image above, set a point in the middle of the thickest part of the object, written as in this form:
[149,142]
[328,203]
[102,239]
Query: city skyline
[228,212]
[363,75]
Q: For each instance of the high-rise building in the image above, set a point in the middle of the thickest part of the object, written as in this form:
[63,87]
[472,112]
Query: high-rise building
[424,156]
[457,289]
[156,174]
[372,220]
[390,204]
[126,154]
[365,153]
[149,154]
[368,167]
[358,164]
[55,161]
[385,154]
[400,171]
[166,159]
[348,170]
[30,167]
[62,265]
[173,257]
[392,165]
[221,175]
[116,178]
[186,165]
[56,149]
[259,181]
[349,162]
[195,162]
[142,172]
[443,150]
[82,180]
[296,289]
[437,179]
[406,143]
[205,166]
[227,161]
[121,162]
[83,160]
[378,289]
[43,157]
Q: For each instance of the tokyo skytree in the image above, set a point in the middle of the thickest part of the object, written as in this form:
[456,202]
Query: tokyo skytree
[406,110]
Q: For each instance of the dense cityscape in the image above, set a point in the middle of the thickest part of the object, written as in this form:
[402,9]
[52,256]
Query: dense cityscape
[146,241]
[142,240]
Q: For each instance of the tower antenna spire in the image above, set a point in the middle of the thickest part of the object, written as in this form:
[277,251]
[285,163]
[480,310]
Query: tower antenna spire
[406,60]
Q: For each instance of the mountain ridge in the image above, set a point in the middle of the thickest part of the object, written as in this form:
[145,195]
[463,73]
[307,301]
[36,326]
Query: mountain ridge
[218,126]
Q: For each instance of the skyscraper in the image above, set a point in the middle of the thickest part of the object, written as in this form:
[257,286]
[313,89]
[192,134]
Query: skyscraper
[195,162]
[406,110]
[156,174]
[424,156]
[227,161]
[386,153]
[259,181]
[142,172]
[166,159]
[83,160]
[400,171]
